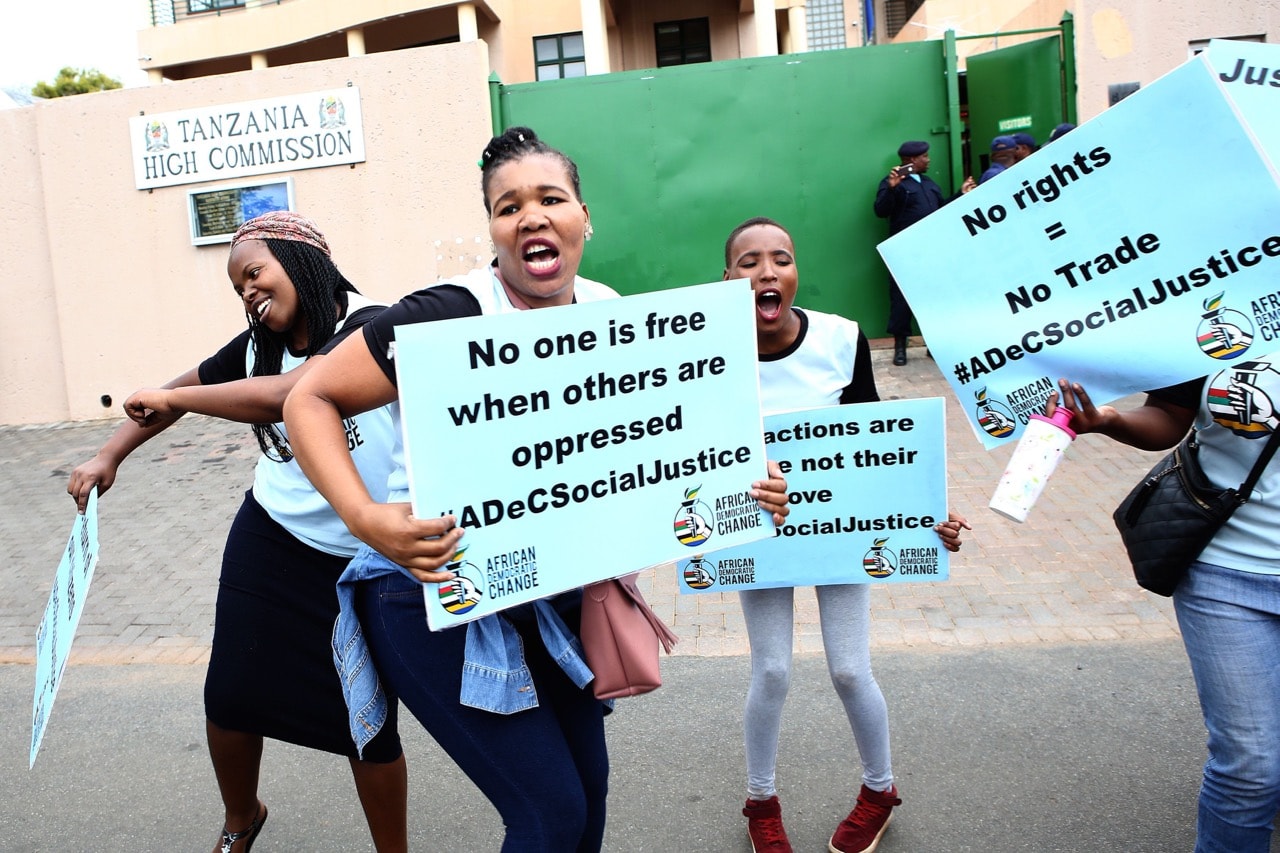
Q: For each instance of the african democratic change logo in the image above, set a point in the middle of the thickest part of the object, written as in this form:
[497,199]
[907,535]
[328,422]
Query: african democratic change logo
[697,575]
[460,594]
[879,562]
[994,418]
[690,524]
[1223,333]
[1244,399]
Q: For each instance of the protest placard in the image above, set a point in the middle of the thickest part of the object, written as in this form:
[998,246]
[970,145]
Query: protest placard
[1250,73]
[62,615]
[867,483]
[583,442]
[1140,250]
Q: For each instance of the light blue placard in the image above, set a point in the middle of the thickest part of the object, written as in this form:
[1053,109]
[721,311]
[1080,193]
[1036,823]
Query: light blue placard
[1140,250]
[62,615]
[629,435]
[867,483]
[1250,72]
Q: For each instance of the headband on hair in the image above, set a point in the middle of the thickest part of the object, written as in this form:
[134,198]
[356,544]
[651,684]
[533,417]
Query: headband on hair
[282,225]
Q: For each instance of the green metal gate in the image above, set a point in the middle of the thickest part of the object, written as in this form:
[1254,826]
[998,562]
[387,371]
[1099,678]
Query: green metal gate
[1028,87]
[672,159]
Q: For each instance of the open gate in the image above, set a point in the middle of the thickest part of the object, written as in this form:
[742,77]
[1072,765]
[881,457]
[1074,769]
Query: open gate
[672,159]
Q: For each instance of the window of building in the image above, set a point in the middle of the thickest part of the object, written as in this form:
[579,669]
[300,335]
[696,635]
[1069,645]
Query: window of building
[683,42]
[897,13]
[196,6]
[825,20]
[559,56]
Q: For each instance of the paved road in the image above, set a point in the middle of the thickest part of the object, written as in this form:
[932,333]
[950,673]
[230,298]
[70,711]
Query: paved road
[1024,749]
[1040,701]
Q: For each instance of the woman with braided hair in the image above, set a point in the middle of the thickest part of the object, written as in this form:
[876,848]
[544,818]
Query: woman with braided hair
[271,668]
[506,696]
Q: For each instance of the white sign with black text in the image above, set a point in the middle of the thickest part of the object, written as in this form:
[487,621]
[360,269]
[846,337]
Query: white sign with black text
[227,141]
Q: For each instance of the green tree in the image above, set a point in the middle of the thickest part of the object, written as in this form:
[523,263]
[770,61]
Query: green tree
[75,81]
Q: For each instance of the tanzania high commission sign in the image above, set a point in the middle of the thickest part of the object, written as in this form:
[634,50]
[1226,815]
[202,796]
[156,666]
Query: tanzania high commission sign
[250,138]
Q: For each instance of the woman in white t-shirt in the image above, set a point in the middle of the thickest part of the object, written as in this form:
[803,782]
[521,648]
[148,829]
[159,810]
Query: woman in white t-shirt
[810,359]
[271,667]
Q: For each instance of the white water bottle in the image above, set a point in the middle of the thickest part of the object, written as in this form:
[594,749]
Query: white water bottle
[1037,454]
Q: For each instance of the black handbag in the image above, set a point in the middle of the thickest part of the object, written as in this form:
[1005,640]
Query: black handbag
[1169,517]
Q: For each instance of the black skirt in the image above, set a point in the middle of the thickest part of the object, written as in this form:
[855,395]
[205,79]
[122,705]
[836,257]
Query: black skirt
[271,670]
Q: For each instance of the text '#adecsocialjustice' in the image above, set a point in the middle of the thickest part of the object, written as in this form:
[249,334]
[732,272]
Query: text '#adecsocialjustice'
[560,495]
[1219,266]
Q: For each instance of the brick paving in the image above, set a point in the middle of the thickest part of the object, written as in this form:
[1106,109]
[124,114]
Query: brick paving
[1059,577]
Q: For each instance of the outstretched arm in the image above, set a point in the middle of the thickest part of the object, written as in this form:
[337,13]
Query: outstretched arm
[101,470]
[346,382]
[1155,425]
[256,400]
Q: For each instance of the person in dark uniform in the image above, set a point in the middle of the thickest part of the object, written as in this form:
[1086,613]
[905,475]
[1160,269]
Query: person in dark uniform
[907,195]
[1004,153]
[1065,127]
[1026,145]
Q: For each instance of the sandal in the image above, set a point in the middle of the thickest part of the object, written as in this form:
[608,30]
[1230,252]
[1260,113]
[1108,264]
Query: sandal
[248,835]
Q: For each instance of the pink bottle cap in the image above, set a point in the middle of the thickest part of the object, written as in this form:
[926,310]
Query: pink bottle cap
[1061,418]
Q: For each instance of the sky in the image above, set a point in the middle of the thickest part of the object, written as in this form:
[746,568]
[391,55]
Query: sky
[37,39]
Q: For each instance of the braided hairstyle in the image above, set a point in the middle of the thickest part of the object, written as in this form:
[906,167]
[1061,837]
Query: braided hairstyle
[516,143]
[320,287]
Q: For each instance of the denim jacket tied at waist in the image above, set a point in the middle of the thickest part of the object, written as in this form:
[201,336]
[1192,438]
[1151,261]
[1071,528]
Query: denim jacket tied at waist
[494,674]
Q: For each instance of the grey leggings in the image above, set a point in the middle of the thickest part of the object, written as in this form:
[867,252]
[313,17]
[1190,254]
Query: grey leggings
[845,614]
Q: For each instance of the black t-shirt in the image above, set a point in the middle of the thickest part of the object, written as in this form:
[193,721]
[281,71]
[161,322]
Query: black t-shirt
[1186,394]
[442,302]
[228,364]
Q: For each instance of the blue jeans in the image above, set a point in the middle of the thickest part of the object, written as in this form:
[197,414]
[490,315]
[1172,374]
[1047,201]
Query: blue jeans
[545,769]
[1230,623]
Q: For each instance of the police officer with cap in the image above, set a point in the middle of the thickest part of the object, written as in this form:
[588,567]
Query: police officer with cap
[1026,145]
[907,195]
[1004,153]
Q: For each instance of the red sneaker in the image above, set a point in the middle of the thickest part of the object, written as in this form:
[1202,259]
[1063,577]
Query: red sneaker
[764,826]
[861,831]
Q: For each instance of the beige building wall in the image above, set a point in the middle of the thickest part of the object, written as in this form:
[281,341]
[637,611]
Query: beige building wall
[314,29]
[1117,41]
[305,30]
[106,292]
[32,378]
[512,56]
[1136,42]
[971,17]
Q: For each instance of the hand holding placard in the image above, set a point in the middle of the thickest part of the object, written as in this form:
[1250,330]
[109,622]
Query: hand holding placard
[1086,260]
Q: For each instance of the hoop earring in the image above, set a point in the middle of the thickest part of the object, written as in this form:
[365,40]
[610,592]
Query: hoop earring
[589,232]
